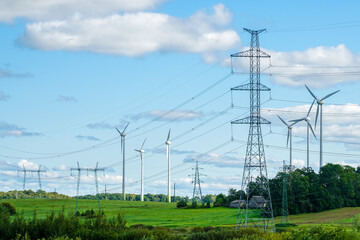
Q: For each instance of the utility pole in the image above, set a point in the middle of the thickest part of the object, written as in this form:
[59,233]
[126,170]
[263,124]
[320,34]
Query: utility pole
[197,195]
[255,178]
[174,194]
[284,204]
[79,170]
[33,171]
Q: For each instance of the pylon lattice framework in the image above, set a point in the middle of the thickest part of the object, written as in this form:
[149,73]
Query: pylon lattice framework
[197,195]
[79,170]
[33,171]
[256,209]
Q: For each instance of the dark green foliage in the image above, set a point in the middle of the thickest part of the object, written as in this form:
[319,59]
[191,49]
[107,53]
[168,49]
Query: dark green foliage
[7,207]
[194,204]
[221,200]
[334,187]
[181,204]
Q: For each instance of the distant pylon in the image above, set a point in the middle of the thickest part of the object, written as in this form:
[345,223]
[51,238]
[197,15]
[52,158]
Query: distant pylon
[32,171]
[284,204]
[79,170]
[197,195]
[256,209]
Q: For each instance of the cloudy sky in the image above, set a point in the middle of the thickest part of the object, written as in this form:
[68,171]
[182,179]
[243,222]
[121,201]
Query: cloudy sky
[72,71]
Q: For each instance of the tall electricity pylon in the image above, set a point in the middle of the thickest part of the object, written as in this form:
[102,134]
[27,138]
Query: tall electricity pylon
[32,171]
[257,208]
[197,195]
[79,170]
[284,203]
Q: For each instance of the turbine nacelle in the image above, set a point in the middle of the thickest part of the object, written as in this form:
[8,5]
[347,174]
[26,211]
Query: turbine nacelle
[167,142]
[140,151]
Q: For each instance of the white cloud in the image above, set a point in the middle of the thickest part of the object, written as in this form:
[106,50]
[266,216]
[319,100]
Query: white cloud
[319,76]
[28,165]
[62,98]
[60,9]
[12,130]
[135,34]
[317,67]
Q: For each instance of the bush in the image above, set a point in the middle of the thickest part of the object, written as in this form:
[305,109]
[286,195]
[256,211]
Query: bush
[181,204]
[9,208]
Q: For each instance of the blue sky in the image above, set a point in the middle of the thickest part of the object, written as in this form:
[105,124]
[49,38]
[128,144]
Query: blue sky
[70,72]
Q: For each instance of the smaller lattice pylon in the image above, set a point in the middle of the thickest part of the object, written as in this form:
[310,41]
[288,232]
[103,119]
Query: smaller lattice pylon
[79,170]
[24,170]
[197,194]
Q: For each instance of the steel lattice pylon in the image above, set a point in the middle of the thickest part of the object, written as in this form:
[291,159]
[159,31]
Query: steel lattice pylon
[256,209]
[197,195]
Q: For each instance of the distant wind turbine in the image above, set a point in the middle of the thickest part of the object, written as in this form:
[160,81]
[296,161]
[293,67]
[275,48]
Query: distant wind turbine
[307,120]
[141,151]
[320,102]
[289,137]
[123,135]
[168,158]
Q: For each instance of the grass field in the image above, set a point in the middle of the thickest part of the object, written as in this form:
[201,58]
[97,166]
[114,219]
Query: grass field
[166,214]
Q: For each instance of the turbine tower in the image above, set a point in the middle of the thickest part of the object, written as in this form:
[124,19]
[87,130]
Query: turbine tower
[123,135]
[168,158]
[255,182]
[141,151]
[289,137]
[320,102]
[307,120]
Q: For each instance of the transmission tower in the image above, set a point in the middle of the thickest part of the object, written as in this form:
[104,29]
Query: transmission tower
[79,170]
[256,209]
[32,171]
[284,204]
[197,195]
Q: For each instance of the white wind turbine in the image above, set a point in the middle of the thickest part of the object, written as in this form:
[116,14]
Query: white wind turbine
[320,102]
[307,120]
[168,158]
[141,151]
[289,137]
[123,135]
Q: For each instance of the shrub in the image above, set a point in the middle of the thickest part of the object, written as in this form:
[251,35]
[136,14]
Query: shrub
[9,208]
[181,204]
[197,229]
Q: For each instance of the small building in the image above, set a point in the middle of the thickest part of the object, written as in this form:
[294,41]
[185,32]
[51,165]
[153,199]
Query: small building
[237,203]
[257,202]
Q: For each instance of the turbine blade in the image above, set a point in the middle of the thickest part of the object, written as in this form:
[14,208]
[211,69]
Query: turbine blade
[297,120]
[288,137]
[311,92]
[168,135]
[310,108]
[329,95]
[317,114]
[283,121]
[118,130]
[312,130]
[143,144]
[125,127]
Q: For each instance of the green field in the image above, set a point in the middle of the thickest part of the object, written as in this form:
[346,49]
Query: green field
[166,214]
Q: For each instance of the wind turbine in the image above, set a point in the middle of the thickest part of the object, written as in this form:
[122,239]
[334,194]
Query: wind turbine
[307,120]
[320,102]
[168,158]
[141,151]
[123,135]
[289,137]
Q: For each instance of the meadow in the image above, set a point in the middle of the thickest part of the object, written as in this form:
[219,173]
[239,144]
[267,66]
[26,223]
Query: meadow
[166,214]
